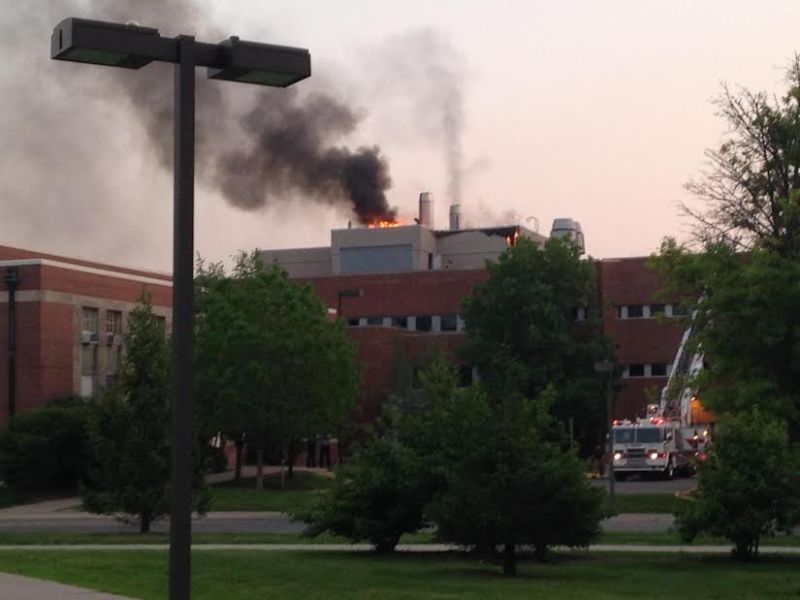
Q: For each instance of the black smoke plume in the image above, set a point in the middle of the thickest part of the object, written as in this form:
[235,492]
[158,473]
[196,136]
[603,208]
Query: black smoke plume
[292,147]
[287,144]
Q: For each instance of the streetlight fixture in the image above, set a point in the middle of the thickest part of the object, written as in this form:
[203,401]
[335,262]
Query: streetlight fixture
[346,294]
[12,281]
[130,46]
[607,366]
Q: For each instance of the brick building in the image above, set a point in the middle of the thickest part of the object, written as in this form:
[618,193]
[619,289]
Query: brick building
[70,316]
[400,289]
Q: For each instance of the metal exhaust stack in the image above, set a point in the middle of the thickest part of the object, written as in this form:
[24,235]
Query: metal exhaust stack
[426,210]
[455,217]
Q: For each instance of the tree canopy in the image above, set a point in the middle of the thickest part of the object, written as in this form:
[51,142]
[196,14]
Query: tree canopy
[524,333]
[129,430]
[750,486]
[747,269]
[270,361]
[749,192]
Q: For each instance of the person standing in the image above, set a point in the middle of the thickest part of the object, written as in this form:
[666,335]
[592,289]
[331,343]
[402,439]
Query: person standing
[311,452]
[325,452]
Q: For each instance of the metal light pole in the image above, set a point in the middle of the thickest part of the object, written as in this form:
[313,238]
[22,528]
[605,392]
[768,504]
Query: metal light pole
[12,280]
[606,366]
[132,47]
[180,524]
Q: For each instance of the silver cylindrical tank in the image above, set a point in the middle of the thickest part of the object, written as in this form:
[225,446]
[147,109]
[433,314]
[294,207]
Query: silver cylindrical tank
[426,210]
[455,217]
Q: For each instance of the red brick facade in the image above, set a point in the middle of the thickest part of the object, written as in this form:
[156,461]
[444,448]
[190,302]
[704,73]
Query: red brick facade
[628,281]
[49,301]
[54,290]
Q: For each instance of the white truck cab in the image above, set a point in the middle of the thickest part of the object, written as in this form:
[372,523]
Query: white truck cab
[648,446]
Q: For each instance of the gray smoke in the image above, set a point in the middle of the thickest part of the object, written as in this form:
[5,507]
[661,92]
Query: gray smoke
[290,140]
[424,77]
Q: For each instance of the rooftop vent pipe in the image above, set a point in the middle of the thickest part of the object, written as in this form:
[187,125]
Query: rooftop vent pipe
[455,217]
[426,210]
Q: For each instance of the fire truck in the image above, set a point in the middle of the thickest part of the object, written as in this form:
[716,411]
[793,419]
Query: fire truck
[674,435]
[654,446]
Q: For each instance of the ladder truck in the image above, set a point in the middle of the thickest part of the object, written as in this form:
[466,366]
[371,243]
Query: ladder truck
[673,436]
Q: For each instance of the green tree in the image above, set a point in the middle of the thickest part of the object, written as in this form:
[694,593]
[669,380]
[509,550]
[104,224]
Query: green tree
[506,484]
[382,491]
[748,265]
[129,431]
[377,497]
[746,323]
[749,487]
[271,363]
[750,191]
[522,328]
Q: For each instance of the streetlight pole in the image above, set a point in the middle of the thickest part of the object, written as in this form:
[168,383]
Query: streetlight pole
[606,366]
[610,434]
[133,47]
[12,280]
[180,523]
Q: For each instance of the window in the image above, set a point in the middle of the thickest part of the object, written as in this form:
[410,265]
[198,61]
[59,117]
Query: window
[424,323]
[401,322]
[636,370]
[89,320]
[374,320]
[113,321]
[449,322]
[88,359]
[679,311]
[162,324]
[114,359]
[635,311]
[352,322]
[658,369]
[579,314]
[657,309]
[88,368]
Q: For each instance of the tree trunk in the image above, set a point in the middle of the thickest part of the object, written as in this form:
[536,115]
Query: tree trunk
[260,469]
[541,552]
[509,560]
[144,523]
[237,471]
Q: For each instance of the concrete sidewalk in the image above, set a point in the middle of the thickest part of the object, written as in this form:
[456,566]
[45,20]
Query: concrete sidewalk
[413,548]
[16,587]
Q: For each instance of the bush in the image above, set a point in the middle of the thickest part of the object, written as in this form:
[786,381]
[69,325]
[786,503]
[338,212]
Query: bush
[507,485]
[47,449]
[749,487]
[375,498]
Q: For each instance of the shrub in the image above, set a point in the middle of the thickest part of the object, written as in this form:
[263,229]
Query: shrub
[47,449]
[749,487]
[375,498]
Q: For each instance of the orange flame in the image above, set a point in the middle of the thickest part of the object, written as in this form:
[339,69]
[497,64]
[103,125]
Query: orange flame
[383,224]
[512,240]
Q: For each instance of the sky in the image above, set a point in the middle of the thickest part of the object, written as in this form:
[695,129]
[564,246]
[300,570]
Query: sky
[595,110]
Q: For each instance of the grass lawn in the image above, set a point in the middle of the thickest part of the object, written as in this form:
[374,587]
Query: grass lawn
[664,539]
[299,492]
[307,576]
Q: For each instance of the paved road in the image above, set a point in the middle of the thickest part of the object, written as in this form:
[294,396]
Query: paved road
[638,485]
[60,516]
[243,522]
